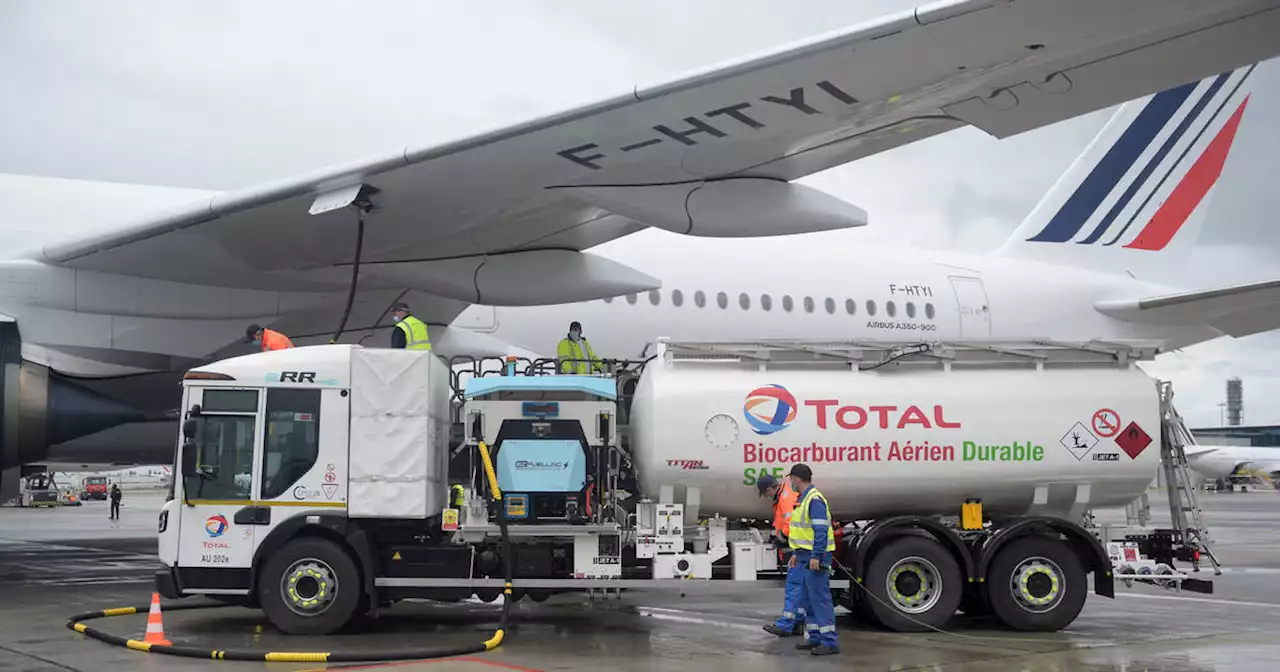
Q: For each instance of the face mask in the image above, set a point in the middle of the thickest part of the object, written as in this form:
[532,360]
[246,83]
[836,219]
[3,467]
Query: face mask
[573,335]
[398,317]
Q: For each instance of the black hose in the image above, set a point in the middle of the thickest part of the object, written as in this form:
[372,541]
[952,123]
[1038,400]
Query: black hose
[355,273]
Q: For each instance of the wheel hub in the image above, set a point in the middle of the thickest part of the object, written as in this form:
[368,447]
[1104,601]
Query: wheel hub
[914,584]
[309,587]
[1037,584]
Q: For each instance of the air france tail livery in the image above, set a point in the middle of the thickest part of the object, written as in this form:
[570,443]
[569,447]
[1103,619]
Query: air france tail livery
[1084,266]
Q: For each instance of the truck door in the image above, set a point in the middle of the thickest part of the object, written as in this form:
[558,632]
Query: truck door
[971,302]
[304,457]
[210,538]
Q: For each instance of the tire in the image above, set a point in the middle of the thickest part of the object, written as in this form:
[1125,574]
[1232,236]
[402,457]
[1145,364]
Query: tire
[326,586]
[1050,603]
[915,585]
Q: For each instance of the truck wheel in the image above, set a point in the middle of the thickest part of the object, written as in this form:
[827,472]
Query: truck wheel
[915,585]
[1036,584]
[309,587]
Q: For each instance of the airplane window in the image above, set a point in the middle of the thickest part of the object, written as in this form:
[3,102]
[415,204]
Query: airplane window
[911,310]
[631,299]
[655,297]
[928,310]
[808,304]
[677,298]
[830,305]
[700,299]
[744,301]
[722,300]
[850,306]
[766,302]
[890,308]
[787,304]
[871,308]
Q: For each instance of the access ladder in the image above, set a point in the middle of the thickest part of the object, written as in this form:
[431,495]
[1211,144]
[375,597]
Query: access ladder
[1184,504]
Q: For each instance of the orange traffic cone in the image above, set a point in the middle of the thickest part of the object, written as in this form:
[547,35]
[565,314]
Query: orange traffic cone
[155,629]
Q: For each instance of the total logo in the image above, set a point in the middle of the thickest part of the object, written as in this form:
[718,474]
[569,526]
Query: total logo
[769,409]
[216,525]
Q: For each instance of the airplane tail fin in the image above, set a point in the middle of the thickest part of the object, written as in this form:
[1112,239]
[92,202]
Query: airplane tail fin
[1135,200]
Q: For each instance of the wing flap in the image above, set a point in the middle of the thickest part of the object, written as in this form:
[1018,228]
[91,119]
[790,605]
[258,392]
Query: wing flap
[1239,310]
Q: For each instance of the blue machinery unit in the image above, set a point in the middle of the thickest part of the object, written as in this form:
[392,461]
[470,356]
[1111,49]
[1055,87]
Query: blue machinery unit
[553,443]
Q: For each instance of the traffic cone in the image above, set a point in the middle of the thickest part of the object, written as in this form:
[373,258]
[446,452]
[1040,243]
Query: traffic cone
[155,629]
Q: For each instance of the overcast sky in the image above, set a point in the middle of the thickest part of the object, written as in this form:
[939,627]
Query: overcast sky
[227,94]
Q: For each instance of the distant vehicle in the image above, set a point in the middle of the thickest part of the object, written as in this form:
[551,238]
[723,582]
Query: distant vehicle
[94,487]
[38,490]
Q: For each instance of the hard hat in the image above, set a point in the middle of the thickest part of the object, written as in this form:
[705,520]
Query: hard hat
[251,332]
[400,306]
[765,482]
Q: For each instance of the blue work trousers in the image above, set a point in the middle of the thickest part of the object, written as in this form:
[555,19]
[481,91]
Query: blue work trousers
[792,611]
[815,600]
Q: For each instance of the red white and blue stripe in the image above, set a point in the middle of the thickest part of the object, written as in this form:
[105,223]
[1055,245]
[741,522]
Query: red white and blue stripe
[1145,186]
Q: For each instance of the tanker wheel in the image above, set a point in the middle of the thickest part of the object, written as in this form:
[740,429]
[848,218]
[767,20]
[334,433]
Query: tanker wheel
[915,585]
[1036,584]
[309,587]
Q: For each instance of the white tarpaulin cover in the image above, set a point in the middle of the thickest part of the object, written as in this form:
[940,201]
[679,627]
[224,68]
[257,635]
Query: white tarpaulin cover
[399,434]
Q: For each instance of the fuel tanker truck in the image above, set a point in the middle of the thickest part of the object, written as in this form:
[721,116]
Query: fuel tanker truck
[325,481]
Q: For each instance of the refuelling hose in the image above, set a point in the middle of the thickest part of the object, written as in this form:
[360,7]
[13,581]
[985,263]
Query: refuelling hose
[75,622]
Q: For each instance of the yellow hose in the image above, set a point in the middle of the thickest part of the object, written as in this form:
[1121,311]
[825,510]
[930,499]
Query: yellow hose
[488,471]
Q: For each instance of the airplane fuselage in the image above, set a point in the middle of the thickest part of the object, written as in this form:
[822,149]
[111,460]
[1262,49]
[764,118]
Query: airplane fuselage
[871,294]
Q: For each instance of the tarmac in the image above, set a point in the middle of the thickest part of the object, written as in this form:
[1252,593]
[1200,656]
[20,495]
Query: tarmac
[58,562]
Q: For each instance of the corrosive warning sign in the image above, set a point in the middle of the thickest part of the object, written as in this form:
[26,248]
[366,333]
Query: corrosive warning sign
[1106,423]
[1133,440]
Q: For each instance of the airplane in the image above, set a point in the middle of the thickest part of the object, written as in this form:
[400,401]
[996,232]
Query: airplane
[1219,462]
[125,287]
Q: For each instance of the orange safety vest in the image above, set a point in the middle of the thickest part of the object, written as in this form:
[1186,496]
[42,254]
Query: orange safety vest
[782,509]
[274,340]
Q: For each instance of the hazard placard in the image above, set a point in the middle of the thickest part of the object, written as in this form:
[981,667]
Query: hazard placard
[1133,440]
[1079,441]
[449,521]
[1106,423]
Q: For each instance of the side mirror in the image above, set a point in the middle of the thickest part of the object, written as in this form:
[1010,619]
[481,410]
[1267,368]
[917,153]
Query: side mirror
[189,429]
[189,465]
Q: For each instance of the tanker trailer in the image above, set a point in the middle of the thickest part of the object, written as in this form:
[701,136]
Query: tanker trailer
[1025,440]
[958,478]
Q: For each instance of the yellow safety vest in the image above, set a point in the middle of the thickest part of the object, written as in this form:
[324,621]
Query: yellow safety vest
[415,333]
[580,351]
[802,528]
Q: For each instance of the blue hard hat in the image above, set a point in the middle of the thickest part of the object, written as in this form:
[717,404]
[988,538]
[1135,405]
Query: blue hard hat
[765,482]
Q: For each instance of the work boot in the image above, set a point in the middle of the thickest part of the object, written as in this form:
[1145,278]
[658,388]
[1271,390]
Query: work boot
[775,630]
[806,644]
[798,628]
[823,650]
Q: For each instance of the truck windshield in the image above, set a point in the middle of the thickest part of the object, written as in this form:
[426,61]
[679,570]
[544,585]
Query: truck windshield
[95,480]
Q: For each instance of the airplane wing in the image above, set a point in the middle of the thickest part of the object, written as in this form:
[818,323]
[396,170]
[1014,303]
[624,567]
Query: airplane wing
[502,218]
[1237,311]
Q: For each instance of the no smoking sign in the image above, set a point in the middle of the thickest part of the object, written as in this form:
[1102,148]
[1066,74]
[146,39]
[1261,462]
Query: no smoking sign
[1106,423]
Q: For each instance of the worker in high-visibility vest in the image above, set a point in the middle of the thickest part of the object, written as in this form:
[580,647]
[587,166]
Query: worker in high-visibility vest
[815,546]
[410,332]
[269,339]
[784,502]
[575,353]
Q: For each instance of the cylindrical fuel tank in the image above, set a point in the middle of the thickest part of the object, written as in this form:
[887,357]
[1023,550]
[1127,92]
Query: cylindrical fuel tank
[898,441]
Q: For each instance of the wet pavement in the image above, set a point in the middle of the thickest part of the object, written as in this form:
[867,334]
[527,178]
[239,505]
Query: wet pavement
[57,562]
